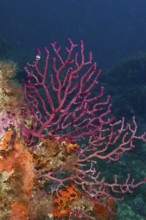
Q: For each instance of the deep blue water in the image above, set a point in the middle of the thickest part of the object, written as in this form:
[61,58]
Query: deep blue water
[112,29]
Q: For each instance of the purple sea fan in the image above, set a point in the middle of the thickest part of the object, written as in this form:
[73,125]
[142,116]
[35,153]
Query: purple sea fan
[64,103]
[64,98]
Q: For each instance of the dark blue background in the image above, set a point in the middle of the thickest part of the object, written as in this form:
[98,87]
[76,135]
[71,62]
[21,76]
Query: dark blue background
[112,29]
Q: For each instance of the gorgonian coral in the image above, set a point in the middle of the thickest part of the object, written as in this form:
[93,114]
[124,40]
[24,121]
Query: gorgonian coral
[50,149]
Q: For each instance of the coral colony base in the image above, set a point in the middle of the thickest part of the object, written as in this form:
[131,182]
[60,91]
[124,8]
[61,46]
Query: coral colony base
[53,132]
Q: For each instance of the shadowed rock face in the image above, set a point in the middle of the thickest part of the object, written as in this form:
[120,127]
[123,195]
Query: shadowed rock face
[126,83]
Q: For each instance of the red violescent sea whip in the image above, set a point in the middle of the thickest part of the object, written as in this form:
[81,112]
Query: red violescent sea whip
[67,114]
